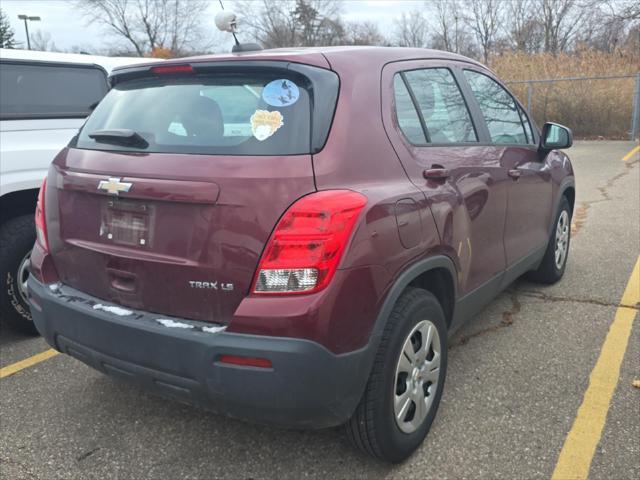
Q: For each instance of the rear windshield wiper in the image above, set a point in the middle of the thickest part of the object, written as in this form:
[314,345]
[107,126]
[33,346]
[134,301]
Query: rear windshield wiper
[120,136]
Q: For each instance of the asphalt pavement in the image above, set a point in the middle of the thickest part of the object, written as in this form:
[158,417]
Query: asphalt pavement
[517,376]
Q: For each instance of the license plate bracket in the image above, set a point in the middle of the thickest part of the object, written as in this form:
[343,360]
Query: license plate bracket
[128,223]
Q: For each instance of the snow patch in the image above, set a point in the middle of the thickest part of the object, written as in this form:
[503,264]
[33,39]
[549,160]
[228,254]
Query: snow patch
[213,329]
[122,312]
[167,322]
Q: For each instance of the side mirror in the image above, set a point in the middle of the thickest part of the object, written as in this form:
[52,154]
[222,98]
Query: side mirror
[555,136]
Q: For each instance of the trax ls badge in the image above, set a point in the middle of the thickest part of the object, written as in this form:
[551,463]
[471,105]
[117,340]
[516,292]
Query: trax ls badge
[114,186]
[212,285]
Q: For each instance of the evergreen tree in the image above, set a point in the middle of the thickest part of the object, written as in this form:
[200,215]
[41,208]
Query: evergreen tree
[6,32]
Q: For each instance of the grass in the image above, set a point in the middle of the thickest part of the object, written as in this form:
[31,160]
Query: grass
[591,108]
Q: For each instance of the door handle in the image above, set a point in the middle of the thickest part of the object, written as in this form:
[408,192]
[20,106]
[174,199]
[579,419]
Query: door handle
[515,173]
[437,173]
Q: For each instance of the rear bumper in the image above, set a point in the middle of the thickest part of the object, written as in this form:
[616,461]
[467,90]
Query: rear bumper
[308,386]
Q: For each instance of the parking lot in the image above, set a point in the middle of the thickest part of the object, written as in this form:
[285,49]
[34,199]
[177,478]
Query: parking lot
[517,377]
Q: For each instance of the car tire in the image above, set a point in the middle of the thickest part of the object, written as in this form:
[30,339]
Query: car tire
[17,237]
[378,427]
[554,262]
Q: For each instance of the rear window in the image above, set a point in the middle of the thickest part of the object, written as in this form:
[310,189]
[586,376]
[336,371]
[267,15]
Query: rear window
[229,114]
[49,91]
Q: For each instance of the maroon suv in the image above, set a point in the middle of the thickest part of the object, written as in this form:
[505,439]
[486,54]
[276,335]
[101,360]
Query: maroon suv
[290,236]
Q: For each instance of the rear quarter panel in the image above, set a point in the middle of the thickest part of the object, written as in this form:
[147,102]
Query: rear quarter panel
[358,156]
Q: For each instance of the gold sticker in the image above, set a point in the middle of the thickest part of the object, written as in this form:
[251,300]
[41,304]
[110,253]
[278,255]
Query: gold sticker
[265,123]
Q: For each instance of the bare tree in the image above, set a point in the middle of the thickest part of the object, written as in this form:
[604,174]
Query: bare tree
[561,21]
[290,23]
[41,40]
[484,20]
[629,13]
[271,27]
[564,25]
[411,29]
[447,11]
[317,22]
[363,33]
[632,41]
[147,25]
[449,29]
[450,32]
[302,23]
[610,28]
[628,9]
[523,29]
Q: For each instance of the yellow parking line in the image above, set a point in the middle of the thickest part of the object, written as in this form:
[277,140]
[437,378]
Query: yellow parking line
[583,438]
[631,153]
[27,362]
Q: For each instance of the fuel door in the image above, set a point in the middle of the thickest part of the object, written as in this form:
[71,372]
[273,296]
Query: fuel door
[409,223]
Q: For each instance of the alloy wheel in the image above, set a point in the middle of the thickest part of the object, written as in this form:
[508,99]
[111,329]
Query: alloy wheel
[417,374]
[23,276]
[562,239]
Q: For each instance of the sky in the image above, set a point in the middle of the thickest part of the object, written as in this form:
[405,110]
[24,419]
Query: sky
[69,29]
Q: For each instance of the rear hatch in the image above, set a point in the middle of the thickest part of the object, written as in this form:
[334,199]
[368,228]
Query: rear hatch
[168,195]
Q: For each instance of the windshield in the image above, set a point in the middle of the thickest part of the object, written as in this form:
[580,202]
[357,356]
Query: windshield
[226,114]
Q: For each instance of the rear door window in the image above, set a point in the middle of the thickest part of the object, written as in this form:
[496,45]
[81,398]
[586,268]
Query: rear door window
[442,106]
[408,119]
[30,90]
[249,114]
[498,109]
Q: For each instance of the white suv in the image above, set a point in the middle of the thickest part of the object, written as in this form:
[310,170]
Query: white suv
[44,100]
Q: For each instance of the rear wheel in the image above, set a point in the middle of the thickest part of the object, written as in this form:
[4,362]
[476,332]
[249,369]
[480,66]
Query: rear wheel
[554,262]
[17,237]
[404,390]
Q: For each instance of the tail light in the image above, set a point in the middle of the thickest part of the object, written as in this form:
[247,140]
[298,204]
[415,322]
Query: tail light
[172,69]
[306,246]
[41,225]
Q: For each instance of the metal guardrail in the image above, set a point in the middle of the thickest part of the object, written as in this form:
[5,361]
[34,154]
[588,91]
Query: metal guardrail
[634,131]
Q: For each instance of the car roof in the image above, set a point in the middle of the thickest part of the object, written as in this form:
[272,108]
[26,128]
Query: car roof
[108,63]
[348,60]
[314,55]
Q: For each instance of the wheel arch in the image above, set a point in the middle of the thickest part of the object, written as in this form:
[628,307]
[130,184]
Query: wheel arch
[435,274]
[566,190]
[17,203]
[441,284]
[417,275]
[570,193]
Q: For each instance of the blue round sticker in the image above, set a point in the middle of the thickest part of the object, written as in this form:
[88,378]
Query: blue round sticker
[280,93]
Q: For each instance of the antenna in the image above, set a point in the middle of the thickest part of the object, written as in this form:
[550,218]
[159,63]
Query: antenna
[232,24]
[227,21]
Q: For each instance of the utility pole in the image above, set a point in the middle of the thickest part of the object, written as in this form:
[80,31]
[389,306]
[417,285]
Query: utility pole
[456,35]
[26,19]
[635,113]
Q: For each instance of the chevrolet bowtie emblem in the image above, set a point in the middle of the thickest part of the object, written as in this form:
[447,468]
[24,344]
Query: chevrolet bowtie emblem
[114,186]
